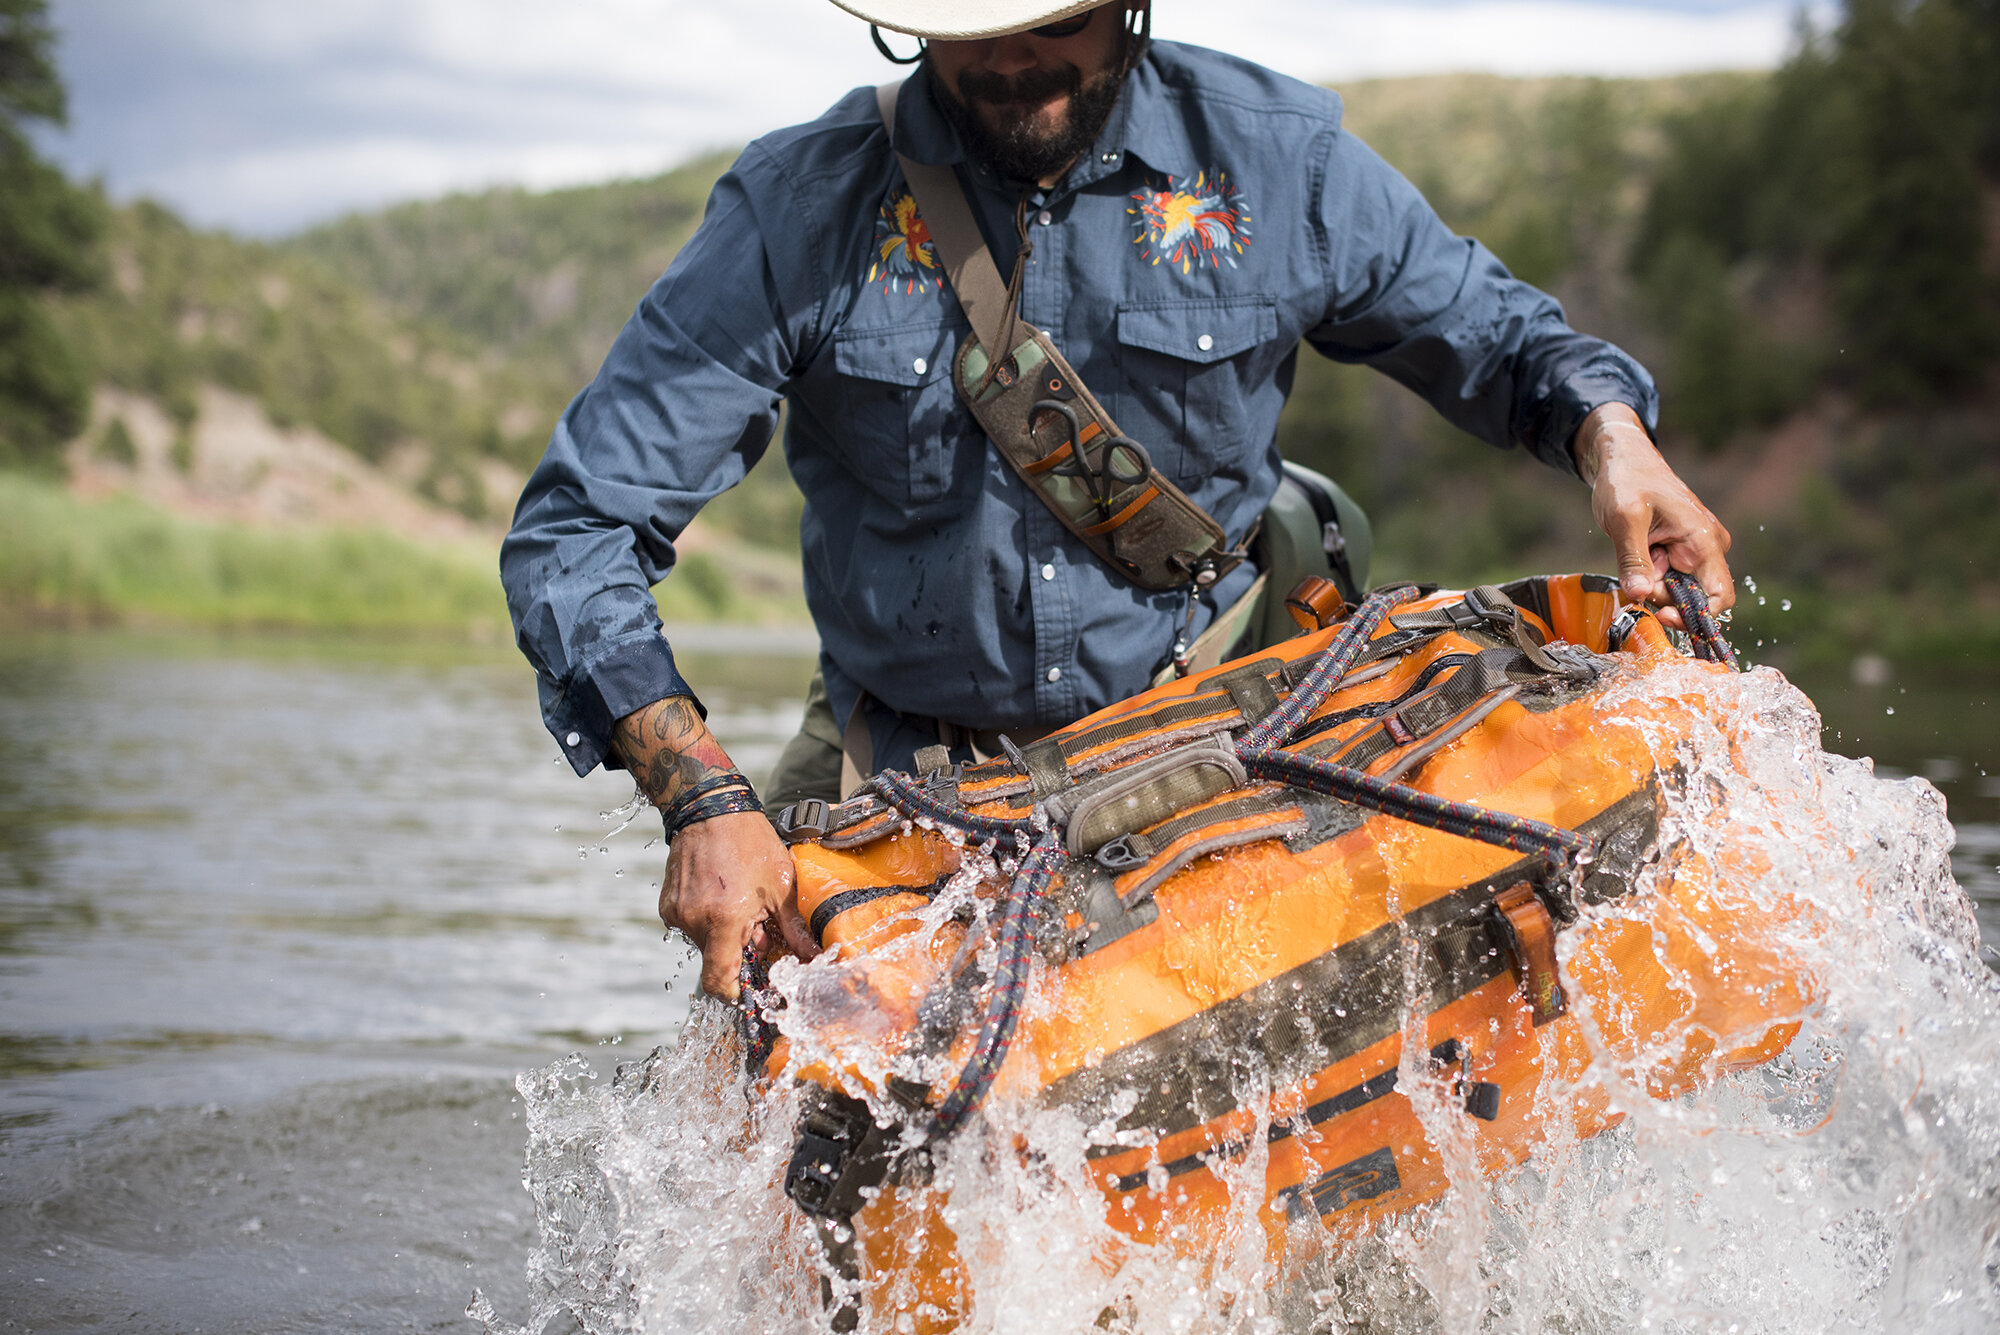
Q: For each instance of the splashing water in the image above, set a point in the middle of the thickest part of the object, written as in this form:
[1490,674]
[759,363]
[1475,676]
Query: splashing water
[1852,1184]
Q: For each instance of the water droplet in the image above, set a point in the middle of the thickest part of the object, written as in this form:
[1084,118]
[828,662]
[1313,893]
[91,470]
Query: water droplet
[1784,604]
[1890,710]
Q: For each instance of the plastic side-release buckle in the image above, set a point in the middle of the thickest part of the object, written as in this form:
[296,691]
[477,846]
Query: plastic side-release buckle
[813,1178]
[843,1152]
[1530,937]
[1482,1097]
[941,784]
[1622,625]
[804,821]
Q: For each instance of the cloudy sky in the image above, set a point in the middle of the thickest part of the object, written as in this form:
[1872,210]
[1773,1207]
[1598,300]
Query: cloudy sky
[264,115]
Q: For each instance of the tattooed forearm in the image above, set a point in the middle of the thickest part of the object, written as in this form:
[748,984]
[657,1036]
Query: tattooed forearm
[668,749]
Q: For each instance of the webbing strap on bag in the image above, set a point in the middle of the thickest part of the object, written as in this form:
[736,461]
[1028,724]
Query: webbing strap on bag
[1051,430]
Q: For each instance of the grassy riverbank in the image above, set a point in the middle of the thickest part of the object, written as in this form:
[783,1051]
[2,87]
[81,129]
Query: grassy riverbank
[71,562]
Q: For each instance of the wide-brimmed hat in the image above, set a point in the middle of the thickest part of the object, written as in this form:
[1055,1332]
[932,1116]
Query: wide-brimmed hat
[961,20]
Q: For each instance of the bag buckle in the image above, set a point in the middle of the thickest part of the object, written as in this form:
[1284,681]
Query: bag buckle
[1119,855]
[805,821]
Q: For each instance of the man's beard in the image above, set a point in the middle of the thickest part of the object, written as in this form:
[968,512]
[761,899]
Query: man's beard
[1020,150]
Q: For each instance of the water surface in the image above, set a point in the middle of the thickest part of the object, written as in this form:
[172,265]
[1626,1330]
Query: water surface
[281,920]
[279,923]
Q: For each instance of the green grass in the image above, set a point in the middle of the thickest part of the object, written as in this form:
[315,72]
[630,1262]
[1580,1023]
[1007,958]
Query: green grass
[68,562]
[64,561]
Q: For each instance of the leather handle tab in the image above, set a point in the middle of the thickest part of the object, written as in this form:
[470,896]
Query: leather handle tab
[1315,603]
[1530,935]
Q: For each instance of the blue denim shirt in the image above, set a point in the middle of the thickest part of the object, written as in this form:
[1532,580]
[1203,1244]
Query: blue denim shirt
[1222,217]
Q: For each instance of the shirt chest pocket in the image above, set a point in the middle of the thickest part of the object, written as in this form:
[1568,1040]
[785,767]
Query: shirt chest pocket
[1187,366]
[900,426]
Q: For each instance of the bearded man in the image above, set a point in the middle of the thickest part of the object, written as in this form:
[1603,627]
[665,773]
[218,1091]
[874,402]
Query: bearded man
[1177,221]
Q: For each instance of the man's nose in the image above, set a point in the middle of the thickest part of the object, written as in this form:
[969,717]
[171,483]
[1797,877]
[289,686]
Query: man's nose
[1012,55]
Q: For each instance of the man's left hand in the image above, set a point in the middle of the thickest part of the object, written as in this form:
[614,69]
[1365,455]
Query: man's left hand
[1654,522]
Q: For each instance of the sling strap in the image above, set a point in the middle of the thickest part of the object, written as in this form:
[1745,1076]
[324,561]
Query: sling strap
[1052,431]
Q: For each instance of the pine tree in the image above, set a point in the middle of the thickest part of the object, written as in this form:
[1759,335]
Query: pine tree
[48,243]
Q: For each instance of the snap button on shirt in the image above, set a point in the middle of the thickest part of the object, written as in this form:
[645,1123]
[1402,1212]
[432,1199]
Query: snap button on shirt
[920,365]
[1055,674]
[1048,572]
[1045,217]
[1205,342]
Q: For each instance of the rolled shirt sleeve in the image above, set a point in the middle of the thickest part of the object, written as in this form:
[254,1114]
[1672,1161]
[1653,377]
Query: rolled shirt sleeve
[684,405]
[1440,314]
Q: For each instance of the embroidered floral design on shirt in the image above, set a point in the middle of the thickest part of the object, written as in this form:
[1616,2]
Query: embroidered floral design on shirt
[1185,224]
[903,258]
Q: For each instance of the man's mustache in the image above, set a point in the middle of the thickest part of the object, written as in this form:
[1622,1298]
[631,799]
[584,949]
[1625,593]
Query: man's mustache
[1029,88]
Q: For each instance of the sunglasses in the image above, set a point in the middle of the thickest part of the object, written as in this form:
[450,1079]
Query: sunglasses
[1068,27]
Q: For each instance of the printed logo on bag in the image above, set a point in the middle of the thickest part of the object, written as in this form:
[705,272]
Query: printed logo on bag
[1187,224]
[903,259]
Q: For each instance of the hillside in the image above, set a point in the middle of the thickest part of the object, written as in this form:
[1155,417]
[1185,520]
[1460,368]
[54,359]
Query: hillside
[1739,233]
[1551,172]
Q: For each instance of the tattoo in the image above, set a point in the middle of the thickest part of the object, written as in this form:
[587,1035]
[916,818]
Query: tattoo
[668,749]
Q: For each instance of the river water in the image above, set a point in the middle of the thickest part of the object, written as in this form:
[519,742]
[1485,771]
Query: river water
[282,920]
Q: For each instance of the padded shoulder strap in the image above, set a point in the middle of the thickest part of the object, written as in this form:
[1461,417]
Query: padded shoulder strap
[975,279]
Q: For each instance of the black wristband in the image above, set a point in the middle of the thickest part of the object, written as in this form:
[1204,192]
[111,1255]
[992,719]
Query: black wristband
[722,795]
[728,778]
[708,808]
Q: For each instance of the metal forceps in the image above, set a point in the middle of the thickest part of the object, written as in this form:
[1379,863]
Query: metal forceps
[1121,461]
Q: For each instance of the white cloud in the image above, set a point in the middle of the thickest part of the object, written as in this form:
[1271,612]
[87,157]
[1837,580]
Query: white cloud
[266,114]
[1351,39]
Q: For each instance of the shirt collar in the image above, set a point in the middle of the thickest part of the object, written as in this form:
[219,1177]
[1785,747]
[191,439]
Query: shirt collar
[1143,126]
[922,133]
[1137,128]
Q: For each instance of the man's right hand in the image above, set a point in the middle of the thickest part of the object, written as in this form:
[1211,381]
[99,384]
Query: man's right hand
[729,881]
[729,885]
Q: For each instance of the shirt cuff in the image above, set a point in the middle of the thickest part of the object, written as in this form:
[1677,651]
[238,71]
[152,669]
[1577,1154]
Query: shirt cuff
[1584,391]
[581,708]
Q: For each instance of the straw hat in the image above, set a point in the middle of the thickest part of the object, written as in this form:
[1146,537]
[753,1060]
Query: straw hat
[961,20]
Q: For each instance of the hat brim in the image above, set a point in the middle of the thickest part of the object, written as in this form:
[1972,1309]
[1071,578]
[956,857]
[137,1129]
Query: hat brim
[964,20]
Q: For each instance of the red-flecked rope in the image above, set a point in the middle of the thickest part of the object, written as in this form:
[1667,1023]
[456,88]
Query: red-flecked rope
[1277,727]
[754,1011]
[1016,952]
[902,793]
[1701,624]
[1403,802]
[1015,946]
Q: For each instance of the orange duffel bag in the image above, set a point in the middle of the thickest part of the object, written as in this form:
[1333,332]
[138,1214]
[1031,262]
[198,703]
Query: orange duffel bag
[1259,913]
